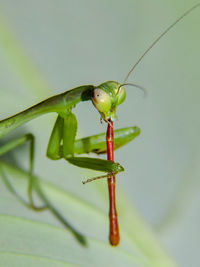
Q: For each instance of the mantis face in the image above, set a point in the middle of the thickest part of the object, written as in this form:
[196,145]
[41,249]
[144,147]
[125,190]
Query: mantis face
[106,97]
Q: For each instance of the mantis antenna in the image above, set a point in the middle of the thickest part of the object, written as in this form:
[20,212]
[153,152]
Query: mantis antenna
[134,85]
[158,38]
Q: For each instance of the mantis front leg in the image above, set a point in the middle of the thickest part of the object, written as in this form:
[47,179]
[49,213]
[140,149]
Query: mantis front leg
[62,144]
[11,145]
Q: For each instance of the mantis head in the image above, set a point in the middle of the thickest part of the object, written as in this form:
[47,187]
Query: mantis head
[106,97]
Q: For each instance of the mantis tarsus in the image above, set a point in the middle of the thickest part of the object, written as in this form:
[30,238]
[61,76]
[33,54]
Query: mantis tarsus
[62,144]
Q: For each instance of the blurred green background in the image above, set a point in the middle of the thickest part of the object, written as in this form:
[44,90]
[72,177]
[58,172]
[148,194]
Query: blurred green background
[58,45]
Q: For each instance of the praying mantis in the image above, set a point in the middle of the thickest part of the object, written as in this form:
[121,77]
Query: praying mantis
[106,98]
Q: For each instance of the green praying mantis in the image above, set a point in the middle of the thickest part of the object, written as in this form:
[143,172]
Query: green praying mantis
[105,97]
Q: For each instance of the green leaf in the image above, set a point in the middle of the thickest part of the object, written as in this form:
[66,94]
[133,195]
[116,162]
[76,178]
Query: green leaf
[38,236]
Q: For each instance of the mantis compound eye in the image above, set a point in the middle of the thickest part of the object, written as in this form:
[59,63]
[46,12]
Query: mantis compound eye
[101,100]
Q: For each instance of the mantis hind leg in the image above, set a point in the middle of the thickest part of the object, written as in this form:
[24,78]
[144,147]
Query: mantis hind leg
[8,147]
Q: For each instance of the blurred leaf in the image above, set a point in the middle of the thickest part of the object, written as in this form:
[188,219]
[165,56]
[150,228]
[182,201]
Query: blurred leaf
[41,237]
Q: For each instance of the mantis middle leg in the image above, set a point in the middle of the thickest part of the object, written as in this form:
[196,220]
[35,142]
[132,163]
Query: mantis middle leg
[8,147]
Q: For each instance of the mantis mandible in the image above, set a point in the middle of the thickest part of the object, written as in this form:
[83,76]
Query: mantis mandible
[62,144]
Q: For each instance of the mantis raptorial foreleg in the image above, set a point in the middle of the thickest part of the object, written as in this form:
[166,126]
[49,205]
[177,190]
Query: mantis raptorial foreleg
[8,147]
[62,144]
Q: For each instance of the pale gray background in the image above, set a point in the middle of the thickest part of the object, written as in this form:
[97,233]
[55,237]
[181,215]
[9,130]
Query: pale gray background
[80,42]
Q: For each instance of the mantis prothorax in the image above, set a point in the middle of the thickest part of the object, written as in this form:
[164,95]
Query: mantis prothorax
[62,144]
